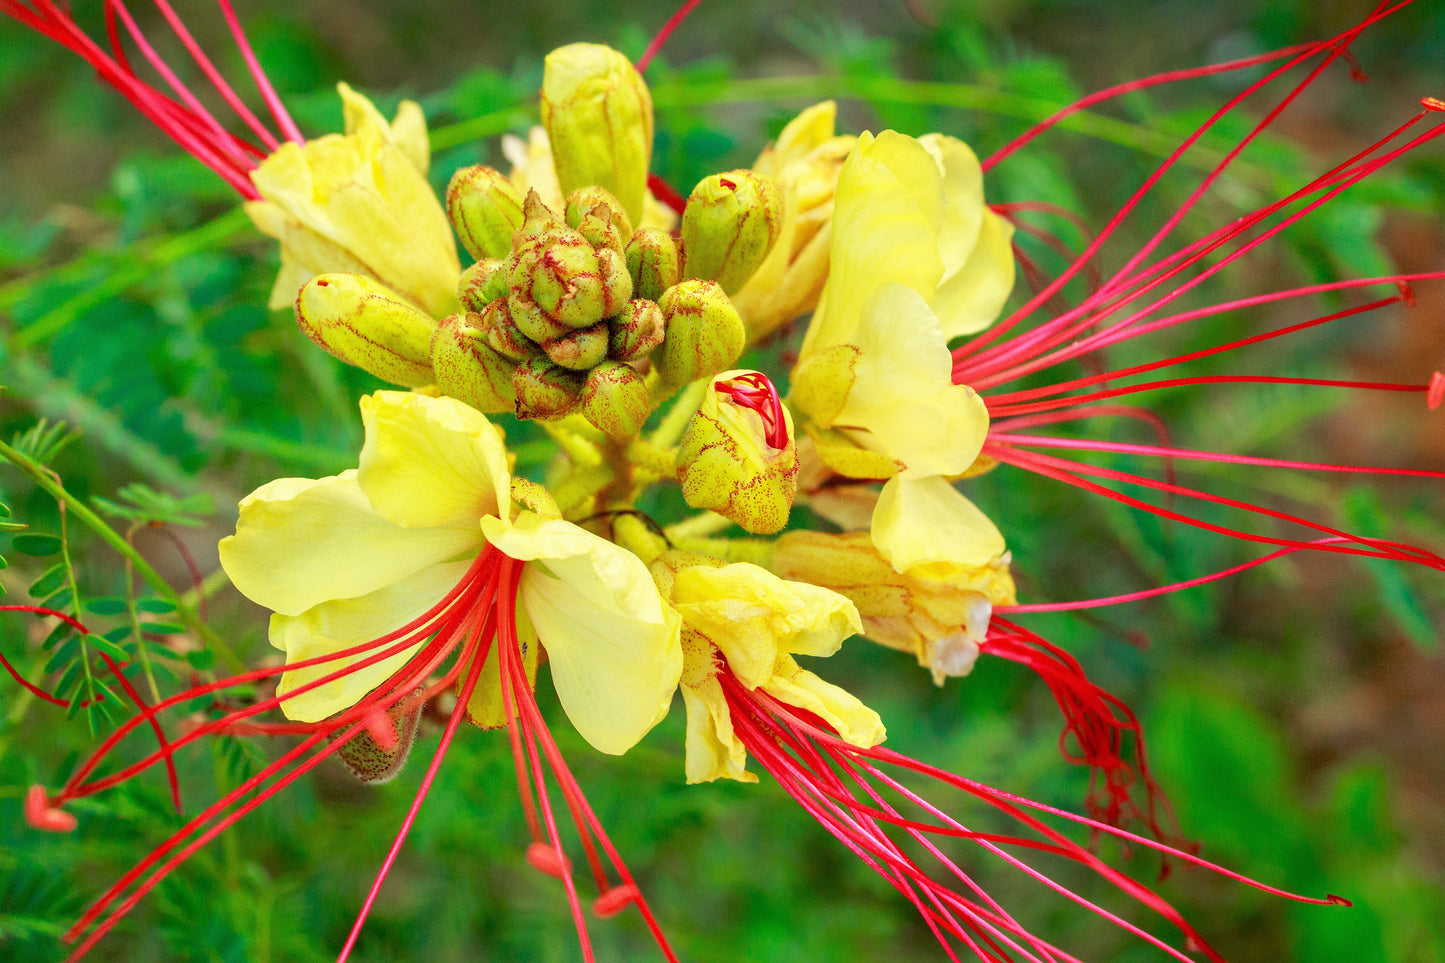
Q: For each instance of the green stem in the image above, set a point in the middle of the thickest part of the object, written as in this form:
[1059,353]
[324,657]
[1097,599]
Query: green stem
[42,477]
[674,423]
[698,526]
[756,550]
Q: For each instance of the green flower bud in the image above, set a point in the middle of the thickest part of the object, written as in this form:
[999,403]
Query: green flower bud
[599,217]
[636,330]
[467,369]
[616,282]
[366,325]
[483,283]
[537,218]
[534,323]
[563,279]
[615,399]
[545,390]
[704,332]
[501,333]
[485,210]
[730,224]
[581,349]
[653,261]
[598,116]
[737,456]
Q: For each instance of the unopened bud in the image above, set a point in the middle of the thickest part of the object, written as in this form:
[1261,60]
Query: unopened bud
[598,216]
[563,276]
[501,333]
[534,323]
[730,224]
[537,218]
[636,330]
[616,282]
[545,390]
[615,399]
[704,333]
[653,262]
[485,210]
[467,369]
[366,325]
[580,349]
[737,455]
[598,116]
[483,283]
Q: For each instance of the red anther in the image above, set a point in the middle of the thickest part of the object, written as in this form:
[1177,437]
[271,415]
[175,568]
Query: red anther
[756,392]
[1338,900]
[615,900]
[41,815]
[382,730]
[1407,292]
[730,185]
[1432,103]
[1435,394]
[544,860]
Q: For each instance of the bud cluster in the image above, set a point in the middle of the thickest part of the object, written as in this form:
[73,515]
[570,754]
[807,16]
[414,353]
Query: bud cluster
[560,313]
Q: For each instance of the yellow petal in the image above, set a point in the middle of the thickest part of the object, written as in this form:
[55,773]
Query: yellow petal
[431,462]
[903,402]
[854,722]
[713,749]
[336,626]
[925,522]
[362,196]
[963,199]
[612,643]
[886,217]
[300,542]
[971,299]
[486,708]
[753,616]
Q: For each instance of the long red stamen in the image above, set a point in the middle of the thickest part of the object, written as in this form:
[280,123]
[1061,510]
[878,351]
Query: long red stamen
[672,24]
[755,392]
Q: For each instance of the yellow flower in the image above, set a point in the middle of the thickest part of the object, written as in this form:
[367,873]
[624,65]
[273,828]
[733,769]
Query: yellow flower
[916,259]
[359,203]
[347,559]
[925,580]
[804,161]
[744,620]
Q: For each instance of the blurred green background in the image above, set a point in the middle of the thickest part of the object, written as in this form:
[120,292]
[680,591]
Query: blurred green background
[1296,715]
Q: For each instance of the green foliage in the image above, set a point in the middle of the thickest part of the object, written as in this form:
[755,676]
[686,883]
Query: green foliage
[131,295]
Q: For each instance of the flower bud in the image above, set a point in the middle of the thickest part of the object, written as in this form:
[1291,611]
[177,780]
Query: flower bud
[483,283]
[485,210]
[737,455]
[730,224]
[599,217]
[615,399]
[636,330]
[501,333]
[545,390]
[533,322]
[581,349]
[653,262]
[570,282]
[537,218]
[704,332]
[598,116]
[616,282]
[467,369]
[366,325]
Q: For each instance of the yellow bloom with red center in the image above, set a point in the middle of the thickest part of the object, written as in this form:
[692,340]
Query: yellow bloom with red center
[349,558]
[743,618]
[359,203]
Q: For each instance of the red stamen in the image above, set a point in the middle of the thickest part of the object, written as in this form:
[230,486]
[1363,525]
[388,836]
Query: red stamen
[1435,394]
[755,392]
[40,814]
[615,900]
[544,859]
[672,24]
[666,193]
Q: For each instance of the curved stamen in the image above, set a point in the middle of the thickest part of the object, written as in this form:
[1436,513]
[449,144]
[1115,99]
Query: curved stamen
[755,392]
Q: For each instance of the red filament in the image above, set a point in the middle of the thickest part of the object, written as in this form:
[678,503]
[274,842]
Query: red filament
[755,392]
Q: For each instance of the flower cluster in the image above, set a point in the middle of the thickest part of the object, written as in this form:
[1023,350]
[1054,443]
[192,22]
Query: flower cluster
[432,568]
